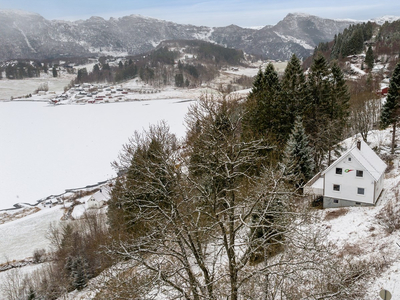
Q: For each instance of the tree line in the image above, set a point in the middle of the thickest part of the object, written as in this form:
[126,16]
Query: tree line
[160,67]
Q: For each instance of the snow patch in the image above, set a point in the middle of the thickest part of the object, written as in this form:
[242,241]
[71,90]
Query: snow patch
[288,38]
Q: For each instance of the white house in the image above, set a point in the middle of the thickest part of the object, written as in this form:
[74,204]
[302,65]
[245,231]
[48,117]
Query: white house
[98,199]
[355,178]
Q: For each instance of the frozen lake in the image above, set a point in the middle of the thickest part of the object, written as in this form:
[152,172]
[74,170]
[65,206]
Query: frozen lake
[46,149]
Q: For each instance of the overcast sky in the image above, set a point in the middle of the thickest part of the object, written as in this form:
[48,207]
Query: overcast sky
[245,13]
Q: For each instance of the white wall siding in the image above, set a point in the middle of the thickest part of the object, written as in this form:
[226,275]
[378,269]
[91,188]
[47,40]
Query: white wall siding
[349,182]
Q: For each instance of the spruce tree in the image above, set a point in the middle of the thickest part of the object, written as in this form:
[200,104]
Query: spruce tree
[80,272]
[340,97]
[369,58]
[55,74]
[390,110]
[327,107]
[294,92]
[298,155]
[258,83]
[263,108]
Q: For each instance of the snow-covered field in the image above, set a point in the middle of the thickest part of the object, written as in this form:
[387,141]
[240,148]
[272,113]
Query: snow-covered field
[21,237]
[46,149]
[18,88]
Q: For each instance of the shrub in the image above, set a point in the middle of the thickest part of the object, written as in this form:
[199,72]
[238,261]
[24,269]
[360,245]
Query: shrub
[42,87]
[389,216]
[333,214]
[38,255]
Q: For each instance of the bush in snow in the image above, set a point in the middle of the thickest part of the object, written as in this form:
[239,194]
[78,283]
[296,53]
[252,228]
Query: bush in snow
[389,216]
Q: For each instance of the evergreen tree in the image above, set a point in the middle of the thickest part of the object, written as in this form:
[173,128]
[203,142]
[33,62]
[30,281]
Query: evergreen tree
[294,92]
[55,74]
[258,84]
[337,110]
[149,181]
[298,155]
[96,68]
[80,273]
[390,111]
[326,108]
[105,66]
[82,75]
[263,106]
[31,294]
[179,80]
[369,58]
[336,50]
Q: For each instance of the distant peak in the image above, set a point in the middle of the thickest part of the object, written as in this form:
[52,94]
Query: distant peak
[17,12]
[383,19]
[298,14]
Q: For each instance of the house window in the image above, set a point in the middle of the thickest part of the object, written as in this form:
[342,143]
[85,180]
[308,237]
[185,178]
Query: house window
[358,203]
[335,201]
[360,191]
[359,173]
[339,171]
[336,187]
[349,159]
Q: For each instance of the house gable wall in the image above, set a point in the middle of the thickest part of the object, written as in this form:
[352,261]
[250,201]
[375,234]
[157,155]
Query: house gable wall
[349,182]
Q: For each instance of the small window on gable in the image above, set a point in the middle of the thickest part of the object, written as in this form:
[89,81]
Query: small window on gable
[336,187]
[339,171]
[349,159]
[359,173]
[360,191]
[335,201]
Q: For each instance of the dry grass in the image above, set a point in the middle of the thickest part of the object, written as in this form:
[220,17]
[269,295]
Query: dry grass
[350,250]
[15,215]
[333,214]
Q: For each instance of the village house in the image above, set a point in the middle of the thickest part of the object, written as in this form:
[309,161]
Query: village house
[98,199]
[354,179]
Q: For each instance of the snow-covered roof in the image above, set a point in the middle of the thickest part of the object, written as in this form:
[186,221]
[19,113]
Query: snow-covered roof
[102,195]
[366,157]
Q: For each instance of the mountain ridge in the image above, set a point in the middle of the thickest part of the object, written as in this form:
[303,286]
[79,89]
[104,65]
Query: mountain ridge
[28,35]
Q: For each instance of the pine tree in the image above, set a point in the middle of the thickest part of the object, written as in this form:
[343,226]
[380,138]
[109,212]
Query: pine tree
[298,155]
[369,58]
[390,111]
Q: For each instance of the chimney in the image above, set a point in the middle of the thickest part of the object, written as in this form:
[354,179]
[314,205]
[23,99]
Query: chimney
[359,145]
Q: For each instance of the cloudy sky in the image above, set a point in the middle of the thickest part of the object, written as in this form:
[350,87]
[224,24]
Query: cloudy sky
[244,13]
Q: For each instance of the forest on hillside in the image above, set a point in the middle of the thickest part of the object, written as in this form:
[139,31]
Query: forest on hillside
[379,43]
[220,214]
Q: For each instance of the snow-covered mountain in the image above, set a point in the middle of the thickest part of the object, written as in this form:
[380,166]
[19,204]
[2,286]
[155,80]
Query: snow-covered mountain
[384,19]
[29,35]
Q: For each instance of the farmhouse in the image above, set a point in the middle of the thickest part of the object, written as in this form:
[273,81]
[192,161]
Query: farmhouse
[354,179]
[98,199]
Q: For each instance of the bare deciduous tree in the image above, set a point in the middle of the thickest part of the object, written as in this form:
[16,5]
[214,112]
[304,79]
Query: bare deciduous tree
[209,219]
